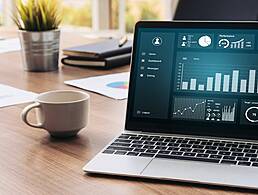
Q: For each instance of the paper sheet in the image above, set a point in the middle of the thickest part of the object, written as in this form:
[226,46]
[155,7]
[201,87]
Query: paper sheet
[113,85]
[9,45]
[11,96]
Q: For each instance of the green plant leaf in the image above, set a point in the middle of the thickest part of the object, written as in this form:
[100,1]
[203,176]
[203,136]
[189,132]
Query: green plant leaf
[37,15]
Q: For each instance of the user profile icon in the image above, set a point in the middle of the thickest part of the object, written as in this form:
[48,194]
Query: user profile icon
[156,41]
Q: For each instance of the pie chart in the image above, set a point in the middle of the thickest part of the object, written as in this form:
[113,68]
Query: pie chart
[204,41]
[118,85]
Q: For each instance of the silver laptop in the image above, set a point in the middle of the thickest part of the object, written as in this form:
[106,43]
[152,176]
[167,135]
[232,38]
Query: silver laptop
[192,112]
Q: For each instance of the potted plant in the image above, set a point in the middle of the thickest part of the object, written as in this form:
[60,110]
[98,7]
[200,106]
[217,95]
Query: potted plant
[38,22]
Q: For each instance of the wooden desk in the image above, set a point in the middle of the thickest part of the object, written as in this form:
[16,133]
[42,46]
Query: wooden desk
[31,162]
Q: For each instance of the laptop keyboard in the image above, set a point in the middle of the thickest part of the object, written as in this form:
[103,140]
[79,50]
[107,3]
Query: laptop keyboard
[183,148]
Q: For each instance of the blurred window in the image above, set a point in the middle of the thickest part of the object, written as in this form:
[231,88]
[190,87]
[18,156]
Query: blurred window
[136,10]
[77,13]
[1,12]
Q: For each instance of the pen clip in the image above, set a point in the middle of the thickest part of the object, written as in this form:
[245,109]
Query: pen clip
[122,41]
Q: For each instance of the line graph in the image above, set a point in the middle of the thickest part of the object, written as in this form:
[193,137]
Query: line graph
[189,108]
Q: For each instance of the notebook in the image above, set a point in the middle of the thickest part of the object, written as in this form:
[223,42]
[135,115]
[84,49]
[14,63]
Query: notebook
[99,50]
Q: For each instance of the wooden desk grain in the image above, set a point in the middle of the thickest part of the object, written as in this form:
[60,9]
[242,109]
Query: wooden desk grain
[31,162]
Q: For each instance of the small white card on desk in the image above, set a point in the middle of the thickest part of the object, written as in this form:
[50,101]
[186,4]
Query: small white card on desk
[9,45]
[11,96]
[112,85]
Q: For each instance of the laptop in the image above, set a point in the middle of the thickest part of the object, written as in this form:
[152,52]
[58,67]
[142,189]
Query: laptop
[192,111]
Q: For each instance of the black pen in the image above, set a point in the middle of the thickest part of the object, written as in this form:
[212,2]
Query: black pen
[122,41]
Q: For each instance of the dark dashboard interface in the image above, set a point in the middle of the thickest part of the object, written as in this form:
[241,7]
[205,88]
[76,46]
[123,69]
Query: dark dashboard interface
[197,76]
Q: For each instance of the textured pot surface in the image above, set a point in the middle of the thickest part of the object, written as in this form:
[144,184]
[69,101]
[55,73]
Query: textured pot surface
[40,50]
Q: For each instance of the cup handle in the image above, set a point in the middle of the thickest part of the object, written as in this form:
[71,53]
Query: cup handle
[25,112]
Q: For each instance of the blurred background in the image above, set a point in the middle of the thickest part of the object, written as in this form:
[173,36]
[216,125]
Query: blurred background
[103,15]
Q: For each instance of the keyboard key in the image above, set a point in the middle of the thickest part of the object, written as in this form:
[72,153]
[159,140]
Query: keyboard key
[137,145]
[161,139]
[120,144]
[198,146]
[123,140]
[120,152]
[119,148]
[231,145]
[173,144]
[108,151]
[242,158]
[236,149]
[148,147]
[254,159]
[132,153]
[237,154]
[179,141]
[210,147]
[173,148]
[244,163]
[241,145]
[123,136]
[163,152]
[255,164]
[167,140]
[152,151]
[185,149]
[161,147]
[230,162]
[146,155]
[176,153]
[185,145]
[249,151]
[198,150]
[250,155]
[184,142]
[137,142]
[204,143]
[202,155]
[187,158]
[149,143]
[221,144]
[135,138]
[229,157]
[189,154]
[211,152]
[216,156]
[223,148]
[161,144]
[224,153]
[139,150]
[215,144]
[247,146]
[196,142]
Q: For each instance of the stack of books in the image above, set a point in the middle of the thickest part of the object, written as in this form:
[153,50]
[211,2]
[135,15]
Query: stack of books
[105,54]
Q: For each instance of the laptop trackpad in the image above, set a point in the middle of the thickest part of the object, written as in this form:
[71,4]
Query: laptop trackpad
[117,164]
[202,172]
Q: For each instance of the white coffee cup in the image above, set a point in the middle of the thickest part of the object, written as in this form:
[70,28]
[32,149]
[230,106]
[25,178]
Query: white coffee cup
[62,113]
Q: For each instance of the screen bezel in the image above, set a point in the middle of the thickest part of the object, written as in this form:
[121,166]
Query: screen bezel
[158,125]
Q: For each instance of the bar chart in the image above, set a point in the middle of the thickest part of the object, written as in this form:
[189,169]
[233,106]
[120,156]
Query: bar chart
[221,110]
[227,79]
[216,73]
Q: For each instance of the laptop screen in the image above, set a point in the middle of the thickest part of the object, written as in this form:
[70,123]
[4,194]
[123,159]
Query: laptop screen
[195,78]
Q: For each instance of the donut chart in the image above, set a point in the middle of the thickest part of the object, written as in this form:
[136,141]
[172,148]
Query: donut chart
[251,114]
